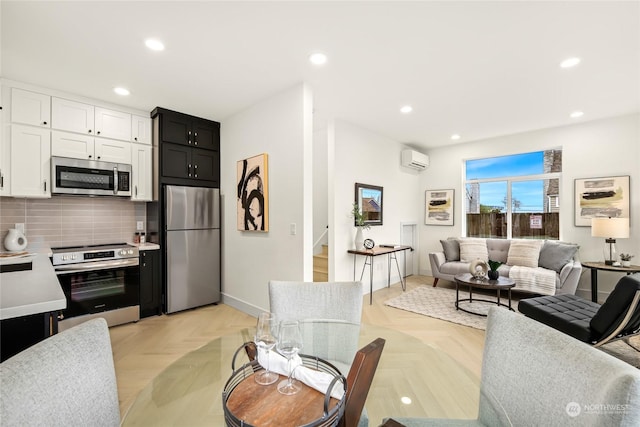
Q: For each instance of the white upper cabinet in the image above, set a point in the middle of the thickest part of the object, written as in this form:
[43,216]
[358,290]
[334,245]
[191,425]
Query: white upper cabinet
[113,124]
[72,116]
[73,145]
[141,172]
[30,161]
[107,150]
[76,146]
[141,129]
[30,108]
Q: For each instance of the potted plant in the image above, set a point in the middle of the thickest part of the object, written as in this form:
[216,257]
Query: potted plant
[493,269]
[626,259]
[360,223]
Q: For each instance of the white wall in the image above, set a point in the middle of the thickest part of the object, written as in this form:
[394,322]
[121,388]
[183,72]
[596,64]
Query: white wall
[359,155]
[608,147]
[281,127]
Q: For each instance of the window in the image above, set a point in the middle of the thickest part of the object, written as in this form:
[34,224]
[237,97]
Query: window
[514,196]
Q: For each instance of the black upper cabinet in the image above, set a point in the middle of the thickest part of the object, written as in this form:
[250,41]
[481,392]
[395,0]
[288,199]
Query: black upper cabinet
[189,148]
[182,129]
[190,163]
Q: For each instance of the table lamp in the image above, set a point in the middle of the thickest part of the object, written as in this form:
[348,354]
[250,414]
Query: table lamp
[611,229]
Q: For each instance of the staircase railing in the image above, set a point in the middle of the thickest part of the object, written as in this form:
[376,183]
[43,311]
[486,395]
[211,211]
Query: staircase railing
[324,233]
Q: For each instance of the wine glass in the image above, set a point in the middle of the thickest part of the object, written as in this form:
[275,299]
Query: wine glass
[266,339]
[289,343]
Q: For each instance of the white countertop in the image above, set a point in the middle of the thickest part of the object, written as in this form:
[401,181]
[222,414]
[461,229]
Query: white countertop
[23,293]
[146,246]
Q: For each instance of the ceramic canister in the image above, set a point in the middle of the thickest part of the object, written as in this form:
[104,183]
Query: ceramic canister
[15,240]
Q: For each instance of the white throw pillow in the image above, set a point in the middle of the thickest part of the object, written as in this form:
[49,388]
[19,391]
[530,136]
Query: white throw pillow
[472,249]
[524,253]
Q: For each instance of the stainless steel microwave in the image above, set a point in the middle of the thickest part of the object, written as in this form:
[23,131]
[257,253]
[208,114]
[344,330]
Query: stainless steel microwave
[90,177]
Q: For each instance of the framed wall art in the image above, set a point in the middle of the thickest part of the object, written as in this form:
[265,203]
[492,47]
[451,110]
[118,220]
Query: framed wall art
[438,207]
[253,194]
[601,198]
[369,201]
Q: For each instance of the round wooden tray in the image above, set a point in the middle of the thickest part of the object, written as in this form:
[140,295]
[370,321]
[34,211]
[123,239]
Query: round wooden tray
[247,403]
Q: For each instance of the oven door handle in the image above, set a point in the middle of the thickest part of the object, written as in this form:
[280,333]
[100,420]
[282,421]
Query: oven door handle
[78,268]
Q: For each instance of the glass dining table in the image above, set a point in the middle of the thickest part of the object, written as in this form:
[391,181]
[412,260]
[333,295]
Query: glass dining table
[413,379]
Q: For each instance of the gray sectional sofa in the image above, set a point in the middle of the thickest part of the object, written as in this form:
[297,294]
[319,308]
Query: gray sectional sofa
[531,263]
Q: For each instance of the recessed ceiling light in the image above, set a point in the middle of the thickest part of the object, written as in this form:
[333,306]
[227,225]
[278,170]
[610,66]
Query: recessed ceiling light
[154,44]
[406,400]
[406,109]
[455,136]
[570,62]
[318,58]
[121,91]
[577,114]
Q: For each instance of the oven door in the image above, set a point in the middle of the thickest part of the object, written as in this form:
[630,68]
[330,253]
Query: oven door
[94,287]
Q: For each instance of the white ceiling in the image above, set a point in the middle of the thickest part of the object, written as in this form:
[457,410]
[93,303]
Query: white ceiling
[479,69]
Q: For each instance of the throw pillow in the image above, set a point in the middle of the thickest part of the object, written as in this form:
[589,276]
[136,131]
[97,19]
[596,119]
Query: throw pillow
[451,249]
[555,255]
[472,249]
[524,253]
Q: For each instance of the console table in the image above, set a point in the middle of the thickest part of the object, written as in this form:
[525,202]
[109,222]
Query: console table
[368,260]
[595,266]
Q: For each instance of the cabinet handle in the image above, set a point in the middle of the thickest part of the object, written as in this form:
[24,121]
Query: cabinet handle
[189,170]
[90,156]
[189,137]
[45,185]
[89,130]
[136,187]
[44,123]
[195,138]
[98,132]
[1,180]
[135,138]
[144,264]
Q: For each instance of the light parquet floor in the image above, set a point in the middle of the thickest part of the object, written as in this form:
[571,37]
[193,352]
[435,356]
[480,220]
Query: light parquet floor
[144,349]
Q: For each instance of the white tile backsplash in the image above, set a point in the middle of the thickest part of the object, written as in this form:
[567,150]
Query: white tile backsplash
[72,220]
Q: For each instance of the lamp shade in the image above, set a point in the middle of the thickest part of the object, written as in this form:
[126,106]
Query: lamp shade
[615,228]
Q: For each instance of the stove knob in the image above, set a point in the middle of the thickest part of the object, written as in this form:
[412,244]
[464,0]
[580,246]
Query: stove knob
[123,252]
[130,251]
[64,257]
[74,256]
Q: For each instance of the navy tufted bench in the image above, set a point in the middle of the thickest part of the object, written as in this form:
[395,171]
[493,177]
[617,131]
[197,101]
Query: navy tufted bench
[588,321]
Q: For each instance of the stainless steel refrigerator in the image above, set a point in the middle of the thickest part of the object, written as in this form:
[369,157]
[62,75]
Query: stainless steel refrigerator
[192,218]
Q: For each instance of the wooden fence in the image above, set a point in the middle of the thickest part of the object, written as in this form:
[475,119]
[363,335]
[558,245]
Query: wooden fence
[495,225]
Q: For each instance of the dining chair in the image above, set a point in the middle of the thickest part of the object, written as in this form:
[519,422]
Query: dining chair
[316,300]
[534,375]
[359,381]
[66,380]
[332,301]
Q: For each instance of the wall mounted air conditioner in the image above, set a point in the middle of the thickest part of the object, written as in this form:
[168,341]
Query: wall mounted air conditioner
[415,160]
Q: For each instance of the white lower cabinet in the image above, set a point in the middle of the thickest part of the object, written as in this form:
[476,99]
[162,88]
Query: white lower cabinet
[30,161]
[142,179]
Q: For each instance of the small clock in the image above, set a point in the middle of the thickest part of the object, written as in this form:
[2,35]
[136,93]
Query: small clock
[369,244]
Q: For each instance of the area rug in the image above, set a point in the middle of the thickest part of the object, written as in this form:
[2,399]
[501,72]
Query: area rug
[440,303]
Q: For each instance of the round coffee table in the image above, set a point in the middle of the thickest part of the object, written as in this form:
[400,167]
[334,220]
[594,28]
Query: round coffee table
[497,285]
